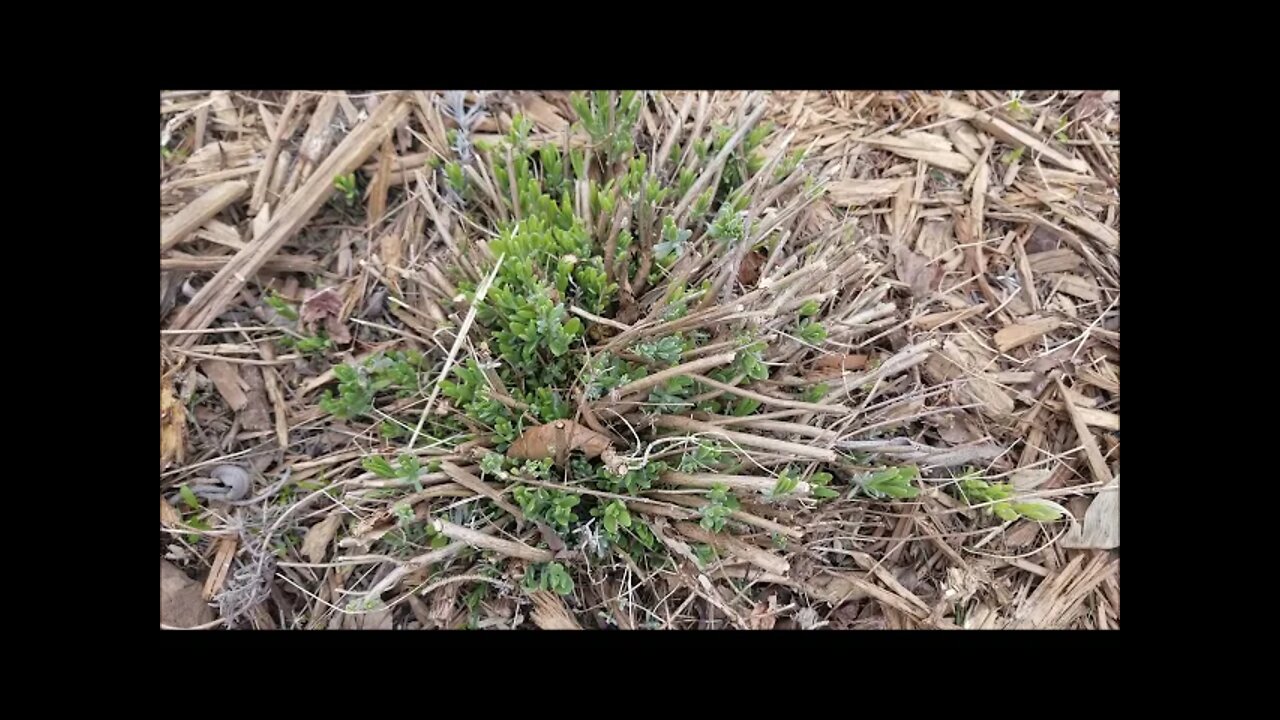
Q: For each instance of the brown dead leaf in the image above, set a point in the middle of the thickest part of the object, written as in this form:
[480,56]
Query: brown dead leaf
[915,270]
[749,271]
[546,441]
[173,426]
[763,617]
[325,305]
[316,544]
[180,602]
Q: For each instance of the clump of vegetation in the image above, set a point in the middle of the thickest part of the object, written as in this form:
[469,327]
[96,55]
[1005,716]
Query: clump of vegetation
[583,242]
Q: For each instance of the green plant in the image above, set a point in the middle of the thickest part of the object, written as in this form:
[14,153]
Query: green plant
[672,395]
[632,482]
[346,184]
[894,482]
[815,393]
[281,306]
[192,518]
[703,456]
[809,308]
[1013,157]
[455,178]
[615,516]
[551,576]
[705,554]
[786,484]
[609,118]
[789,164]
[666,350]
[403,513]
[719,507]
[673,239]
[306,344]
[408,468]
[999,500]
[358,386]
[553,507]
[819,486]
[812,332]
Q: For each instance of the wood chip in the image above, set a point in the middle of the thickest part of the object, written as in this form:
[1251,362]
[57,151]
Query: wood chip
[256,414]
[1097,464]
[1012,336]
[932,149]
[218,156]
[847,193]
[1089,226]
[737,548]
[1050,261]
[1098,418]
[1078,287]
[227,380]
[179,227]
[221,565]
[933,321]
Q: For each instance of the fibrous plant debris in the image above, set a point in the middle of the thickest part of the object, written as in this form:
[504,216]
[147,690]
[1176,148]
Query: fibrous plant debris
[640,360]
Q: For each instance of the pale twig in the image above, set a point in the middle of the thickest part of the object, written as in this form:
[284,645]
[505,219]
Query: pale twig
[457,345]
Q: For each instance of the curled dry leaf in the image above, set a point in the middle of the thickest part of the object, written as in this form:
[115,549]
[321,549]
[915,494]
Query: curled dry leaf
[325,306]
[173,426]
[554,439]
[1100,528]
[316,543]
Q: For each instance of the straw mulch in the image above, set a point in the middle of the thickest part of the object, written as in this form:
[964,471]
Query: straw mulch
[964,248]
